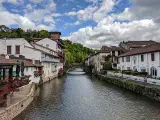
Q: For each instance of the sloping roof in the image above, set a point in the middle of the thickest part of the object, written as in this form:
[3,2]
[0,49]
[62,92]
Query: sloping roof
[146,49]
[139,43]
[27,63]
[55,32]
[112,48]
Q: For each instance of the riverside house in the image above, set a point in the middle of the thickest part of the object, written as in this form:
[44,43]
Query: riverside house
[19,47]
[144,59]
[98,59]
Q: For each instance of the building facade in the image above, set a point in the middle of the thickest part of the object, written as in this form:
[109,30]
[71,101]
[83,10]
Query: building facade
[145,59]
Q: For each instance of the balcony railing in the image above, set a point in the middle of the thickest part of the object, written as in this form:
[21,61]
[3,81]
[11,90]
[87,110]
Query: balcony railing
[49,60]
[38,73]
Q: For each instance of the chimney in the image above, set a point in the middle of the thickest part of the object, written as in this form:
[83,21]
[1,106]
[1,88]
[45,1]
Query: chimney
[55,35]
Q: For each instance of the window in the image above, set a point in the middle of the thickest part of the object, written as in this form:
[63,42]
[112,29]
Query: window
[134,59]
[143,70]
[122,59]
[152,56]
[128,68]
[128,59]
[26,69]
[113,53]
[119,52]
[142,58]
[9,49]
[153,71]
[47,45]
[17,49]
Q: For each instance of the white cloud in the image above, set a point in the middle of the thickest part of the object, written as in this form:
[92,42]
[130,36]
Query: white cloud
[56,15]
[7,18]
[111,33]
[76,23]
[94,12]
[72,13]
[36,1]
[125,15]
[29,7]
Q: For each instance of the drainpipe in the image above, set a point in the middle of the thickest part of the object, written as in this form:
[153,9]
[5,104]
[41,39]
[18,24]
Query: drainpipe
[159,59]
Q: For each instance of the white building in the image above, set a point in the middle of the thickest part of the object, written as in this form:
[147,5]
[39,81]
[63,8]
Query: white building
[49,59]
[145,59]
[54,45]
[19,47]
[96,61]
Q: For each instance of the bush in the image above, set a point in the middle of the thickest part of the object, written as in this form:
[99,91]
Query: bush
[128,72]
[107,65]
[135,73]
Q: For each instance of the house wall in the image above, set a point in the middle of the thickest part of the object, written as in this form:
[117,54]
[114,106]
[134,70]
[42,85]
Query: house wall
[135,62]
[27,52]
[97,61]
[52,44]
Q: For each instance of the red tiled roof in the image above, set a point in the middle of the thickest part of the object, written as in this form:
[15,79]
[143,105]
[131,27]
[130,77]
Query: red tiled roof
[4,61]
[112,48]
[27,63]
[146,49]
[139,43]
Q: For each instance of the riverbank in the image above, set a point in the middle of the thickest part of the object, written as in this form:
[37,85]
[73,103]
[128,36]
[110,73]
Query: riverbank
[21,99]
[19,102]
[151,91]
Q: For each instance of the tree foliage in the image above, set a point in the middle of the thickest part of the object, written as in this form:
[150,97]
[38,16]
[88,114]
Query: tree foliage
[19,33]
[107,65]
[75,52]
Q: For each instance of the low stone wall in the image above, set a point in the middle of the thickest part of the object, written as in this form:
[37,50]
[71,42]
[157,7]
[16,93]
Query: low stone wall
[46,79]
[145,89]
[12,111]
[136,78]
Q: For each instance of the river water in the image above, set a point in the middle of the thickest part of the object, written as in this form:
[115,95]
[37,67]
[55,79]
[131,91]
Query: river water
[78,96]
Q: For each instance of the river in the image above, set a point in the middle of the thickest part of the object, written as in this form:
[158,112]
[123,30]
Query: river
[78,96]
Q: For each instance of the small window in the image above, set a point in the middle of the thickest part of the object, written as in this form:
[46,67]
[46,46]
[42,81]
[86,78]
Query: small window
[128,59]
[47,45]
[152,57]
[122,59]
[9,49]
[143,70]
[17,49]
[26,69]
[128,68]
[142,58]
[119,52]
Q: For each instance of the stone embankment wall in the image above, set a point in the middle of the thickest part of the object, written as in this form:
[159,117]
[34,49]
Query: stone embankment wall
[15,109]
[151,91]
[46,79]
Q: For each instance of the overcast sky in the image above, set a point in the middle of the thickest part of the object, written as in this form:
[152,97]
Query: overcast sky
[91,22]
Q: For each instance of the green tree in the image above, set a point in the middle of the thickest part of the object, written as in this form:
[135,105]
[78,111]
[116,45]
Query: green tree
[107,65]
[44,34]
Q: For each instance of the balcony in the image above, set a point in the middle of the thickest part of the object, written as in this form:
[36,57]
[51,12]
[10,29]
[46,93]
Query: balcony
[38,73]
[46,59]
[61,54]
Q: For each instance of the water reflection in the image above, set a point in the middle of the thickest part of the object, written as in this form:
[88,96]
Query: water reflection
[80,97]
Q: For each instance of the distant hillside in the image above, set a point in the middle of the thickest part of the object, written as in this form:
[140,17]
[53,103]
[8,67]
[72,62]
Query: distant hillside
[75,52]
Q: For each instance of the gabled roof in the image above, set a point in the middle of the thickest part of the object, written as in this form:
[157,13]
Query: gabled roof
[112,48]
[142,50]
[27,63]
[139,43]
